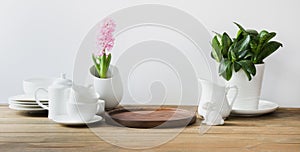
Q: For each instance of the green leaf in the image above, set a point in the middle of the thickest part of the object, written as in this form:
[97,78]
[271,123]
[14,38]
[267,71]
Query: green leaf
[243,32]
[262,33]
[240,27]
[212,54]
[236,66]
[264,37]
[249,55]
[223,65]
[108,59]
[103,66]
[247,73]
[253,45]
[248,67]
[226,43]
[252,32]
[216,44]
[97,65]
[94,59]
[216,52]
[215,55]
[239,36]
[267,37]
[267,50]
[225,69]
[231,48]
[233,56]
[242,54]
[219,36]
[242,44]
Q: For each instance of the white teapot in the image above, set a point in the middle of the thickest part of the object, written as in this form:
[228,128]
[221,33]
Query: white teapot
[58,93]
[65,98]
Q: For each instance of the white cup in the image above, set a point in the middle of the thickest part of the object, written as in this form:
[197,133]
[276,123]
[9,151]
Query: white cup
[84,112]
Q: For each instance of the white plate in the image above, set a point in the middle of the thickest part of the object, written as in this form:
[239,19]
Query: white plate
[66,120]
[26,102]
[264,107]
[14,107]
[25,97]
[24,105]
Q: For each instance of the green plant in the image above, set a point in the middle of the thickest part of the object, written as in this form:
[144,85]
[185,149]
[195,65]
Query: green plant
[102,64]
[243,52]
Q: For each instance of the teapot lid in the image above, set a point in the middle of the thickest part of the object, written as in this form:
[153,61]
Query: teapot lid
[63,81]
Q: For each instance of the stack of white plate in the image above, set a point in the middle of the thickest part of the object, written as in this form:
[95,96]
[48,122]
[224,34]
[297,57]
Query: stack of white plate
[26,103]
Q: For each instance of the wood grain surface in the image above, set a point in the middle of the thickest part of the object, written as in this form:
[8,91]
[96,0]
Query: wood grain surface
[22,132]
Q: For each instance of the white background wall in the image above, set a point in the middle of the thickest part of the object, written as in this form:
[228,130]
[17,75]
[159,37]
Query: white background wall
[41,37]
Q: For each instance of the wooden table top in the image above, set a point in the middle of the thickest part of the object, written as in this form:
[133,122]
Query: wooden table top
[279,131]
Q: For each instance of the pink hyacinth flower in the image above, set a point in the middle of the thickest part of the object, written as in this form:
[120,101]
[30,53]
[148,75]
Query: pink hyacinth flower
[105,39]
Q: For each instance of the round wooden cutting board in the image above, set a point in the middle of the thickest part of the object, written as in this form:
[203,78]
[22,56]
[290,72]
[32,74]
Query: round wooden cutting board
[150,117]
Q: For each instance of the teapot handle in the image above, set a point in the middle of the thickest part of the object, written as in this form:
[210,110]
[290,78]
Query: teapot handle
[235,95]
[37,100]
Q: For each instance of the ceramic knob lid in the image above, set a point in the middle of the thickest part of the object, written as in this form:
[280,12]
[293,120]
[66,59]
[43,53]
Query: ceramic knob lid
[62,81]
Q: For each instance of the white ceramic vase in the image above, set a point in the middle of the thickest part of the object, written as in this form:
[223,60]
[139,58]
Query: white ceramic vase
[249,91]
[109,89]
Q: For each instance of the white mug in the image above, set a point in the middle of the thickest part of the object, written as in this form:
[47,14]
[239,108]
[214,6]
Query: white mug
[214,97]
[83,112]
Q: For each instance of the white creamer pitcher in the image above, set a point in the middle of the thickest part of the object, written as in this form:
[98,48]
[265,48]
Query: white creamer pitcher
[214,98]
[59,93]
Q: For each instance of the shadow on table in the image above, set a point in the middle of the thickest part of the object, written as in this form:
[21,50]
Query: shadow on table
[43,113]
[233,120]
[92,125]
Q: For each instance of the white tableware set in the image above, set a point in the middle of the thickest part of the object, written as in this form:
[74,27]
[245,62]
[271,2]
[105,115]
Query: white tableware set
[66,102]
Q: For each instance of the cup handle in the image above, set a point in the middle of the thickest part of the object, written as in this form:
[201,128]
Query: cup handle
[100,107]
[38,101]
[235,95]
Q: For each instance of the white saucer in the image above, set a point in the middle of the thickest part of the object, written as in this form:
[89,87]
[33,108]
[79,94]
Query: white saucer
[24,105]
[264,107]
[26,102]
[15,107]
[66,120]
[26,97]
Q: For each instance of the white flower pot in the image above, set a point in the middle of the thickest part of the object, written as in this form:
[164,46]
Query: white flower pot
[109,89]
[249,91]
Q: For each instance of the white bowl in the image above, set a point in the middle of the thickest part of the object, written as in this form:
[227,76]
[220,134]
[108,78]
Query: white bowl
[32,84]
